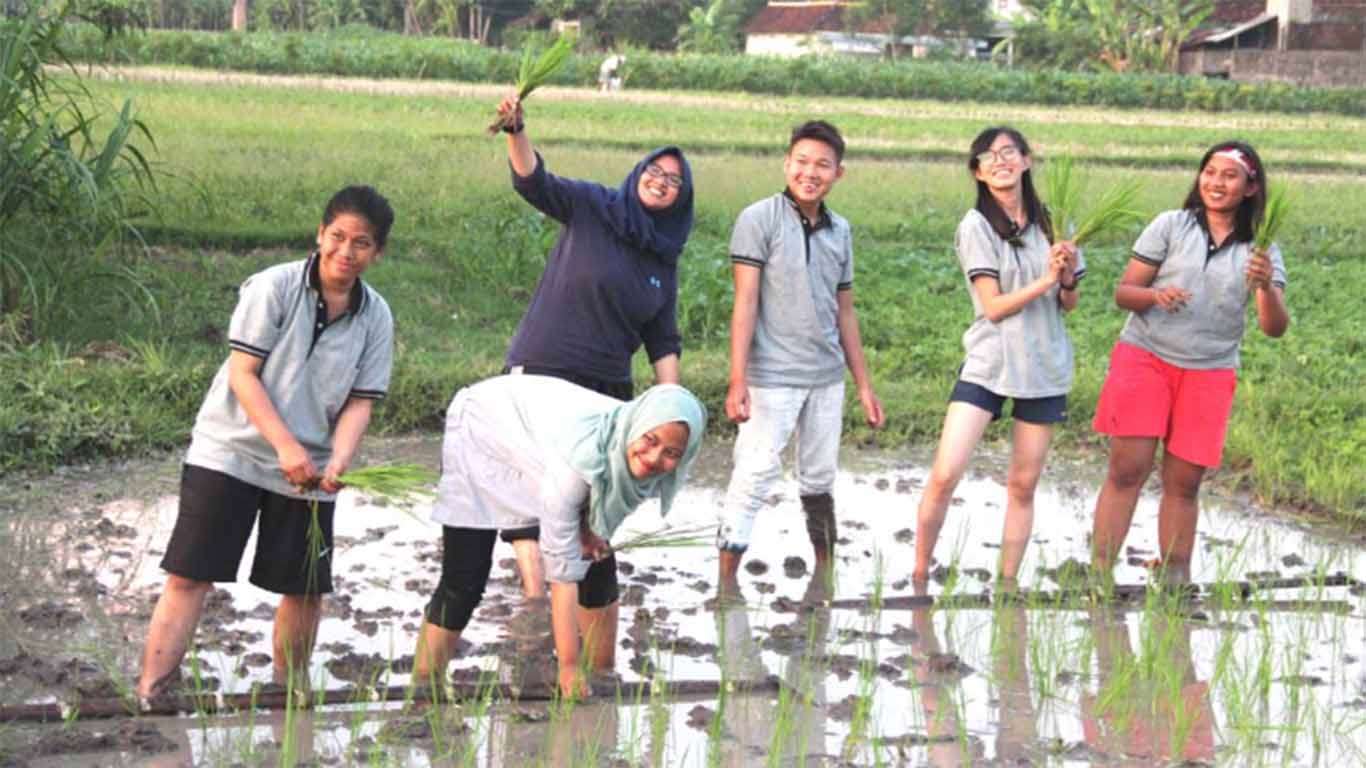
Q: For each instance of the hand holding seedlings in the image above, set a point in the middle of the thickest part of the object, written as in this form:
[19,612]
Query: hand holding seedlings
[1259,270]
[510,110]
[297,466]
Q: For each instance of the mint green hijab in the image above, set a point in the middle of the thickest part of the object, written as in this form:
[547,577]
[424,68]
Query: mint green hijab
[596,449]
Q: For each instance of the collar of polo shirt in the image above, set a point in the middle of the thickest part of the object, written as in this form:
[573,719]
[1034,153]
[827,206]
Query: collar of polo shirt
[315,281]
[822,221]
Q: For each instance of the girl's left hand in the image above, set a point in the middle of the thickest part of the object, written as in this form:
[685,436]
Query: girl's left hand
[1259,270]
[595,547]
[1062,260]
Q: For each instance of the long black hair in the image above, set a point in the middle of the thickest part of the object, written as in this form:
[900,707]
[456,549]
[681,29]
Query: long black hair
[1251,208]
[986,203]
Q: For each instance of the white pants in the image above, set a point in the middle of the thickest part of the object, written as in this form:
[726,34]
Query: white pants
[816,416]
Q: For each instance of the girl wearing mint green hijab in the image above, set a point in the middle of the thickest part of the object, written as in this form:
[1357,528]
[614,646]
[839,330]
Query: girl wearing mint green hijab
[536,450]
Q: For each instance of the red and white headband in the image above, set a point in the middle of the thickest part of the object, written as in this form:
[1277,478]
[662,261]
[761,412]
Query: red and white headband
[1241,158]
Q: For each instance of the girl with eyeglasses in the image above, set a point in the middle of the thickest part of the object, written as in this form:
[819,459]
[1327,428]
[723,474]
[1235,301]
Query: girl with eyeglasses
[1174,369]
[1021,279]
[610,283]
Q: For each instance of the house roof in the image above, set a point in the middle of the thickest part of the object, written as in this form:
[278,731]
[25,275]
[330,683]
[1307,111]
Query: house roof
[804,18]
[1227,32]
[1230,12]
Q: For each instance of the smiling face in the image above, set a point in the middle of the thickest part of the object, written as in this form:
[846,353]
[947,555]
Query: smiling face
[346,248]
[1224,185]
[658,451]
[811,169]
[661,183]
[1003,165]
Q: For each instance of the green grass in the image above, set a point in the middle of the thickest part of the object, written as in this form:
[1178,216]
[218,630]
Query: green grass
[249,168]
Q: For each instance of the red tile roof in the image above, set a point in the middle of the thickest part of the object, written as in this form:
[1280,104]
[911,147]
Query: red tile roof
[798,18]
[1230,12]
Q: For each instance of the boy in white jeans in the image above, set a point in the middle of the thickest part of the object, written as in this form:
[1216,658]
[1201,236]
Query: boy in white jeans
[793,331]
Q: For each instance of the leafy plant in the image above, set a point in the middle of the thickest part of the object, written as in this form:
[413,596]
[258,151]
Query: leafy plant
[1273,218]
[1113,211]
[535,72]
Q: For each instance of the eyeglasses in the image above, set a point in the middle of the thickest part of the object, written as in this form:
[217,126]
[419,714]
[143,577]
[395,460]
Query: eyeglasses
[671,179]
[1003,155]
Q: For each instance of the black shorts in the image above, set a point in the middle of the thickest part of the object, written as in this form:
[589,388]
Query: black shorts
[217,513]
[467,559]
[1035,410]
[618,390]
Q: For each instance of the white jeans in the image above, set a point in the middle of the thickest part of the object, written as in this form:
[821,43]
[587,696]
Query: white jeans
[816,416]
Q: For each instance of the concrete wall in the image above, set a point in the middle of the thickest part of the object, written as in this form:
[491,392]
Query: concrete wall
[1314,68]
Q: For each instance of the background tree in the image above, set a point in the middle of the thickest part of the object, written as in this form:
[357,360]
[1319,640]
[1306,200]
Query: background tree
[1111,35]
[950,19]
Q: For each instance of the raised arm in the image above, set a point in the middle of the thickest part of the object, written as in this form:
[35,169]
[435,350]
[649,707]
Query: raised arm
[998,306]
[520,152]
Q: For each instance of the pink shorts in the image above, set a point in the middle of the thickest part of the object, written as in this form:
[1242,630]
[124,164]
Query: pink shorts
[1188,409]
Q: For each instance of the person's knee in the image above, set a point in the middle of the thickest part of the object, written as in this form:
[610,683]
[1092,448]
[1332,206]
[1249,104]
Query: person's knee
[452,606]
[1021,484]
[187,587]
[1127,473]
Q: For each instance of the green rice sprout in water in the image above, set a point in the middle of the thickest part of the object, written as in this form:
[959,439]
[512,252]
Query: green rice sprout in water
[1063,195]
[1113,211]
[535,72]
[670,536]
[395,482]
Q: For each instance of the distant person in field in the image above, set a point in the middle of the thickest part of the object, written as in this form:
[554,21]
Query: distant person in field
[610,73]
[523,450]
[1022,278]
[311,351]
[793,332]
[610,283]
[1173,371]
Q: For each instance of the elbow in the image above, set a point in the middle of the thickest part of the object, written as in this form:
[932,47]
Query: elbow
[994,315]
[1276,330]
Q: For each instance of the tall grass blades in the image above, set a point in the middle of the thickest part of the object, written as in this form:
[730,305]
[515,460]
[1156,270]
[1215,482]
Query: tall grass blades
[533,73]
[1062,194]
[669,536]
[1273,218]
[393,482]
[1113,211]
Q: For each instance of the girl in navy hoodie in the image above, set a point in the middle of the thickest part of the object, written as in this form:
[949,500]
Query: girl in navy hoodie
[610,283]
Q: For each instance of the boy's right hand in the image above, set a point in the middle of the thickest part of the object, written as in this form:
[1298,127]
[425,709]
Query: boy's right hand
[737,402]
[297,465]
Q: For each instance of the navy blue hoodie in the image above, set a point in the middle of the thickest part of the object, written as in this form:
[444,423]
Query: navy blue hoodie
[611,281]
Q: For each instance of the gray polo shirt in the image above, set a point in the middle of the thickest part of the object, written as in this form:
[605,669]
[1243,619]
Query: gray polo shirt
[1028,354]
[1208,331]
[804,266]
[311,368]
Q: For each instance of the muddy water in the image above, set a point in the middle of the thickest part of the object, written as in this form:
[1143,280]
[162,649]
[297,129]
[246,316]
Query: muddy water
[1086,686]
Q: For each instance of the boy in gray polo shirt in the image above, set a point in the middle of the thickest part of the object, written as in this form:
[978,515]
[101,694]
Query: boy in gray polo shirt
[311,351]
[793,331]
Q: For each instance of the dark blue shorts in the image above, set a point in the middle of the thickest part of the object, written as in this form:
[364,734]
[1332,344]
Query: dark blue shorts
[1035,410]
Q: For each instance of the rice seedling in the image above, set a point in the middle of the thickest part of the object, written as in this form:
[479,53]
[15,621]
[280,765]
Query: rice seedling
[1062,193]
[1273,219]
[1113,211]
[393,482]
[535,72]
[669,536]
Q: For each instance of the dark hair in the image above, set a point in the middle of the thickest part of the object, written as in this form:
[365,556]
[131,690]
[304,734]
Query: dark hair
[987,205]
[821,131]
[362,201]
[1250,209]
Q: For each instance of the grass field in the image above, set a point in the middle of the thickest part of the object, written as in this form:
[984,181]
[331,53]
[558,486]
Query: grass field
[248,167]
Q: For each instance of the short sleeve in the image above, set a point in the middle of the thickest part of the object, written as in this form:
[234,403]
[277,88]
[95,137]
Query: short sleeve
[749,241]
[1154,243]
[976,245]
[1277,267]
[259,318]
[377,359]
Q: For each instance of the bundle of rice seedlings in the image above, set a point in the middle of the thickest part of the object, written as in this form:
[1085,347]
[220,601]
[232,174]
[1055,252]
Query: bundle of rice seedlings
[1062,194]
[1273,218]
[1113,211]
[395,482]
[670,536]
[533,73]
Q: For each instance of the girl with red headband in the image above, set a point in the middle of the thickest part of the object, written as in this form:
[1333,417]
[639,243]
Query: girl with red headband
[1173,371]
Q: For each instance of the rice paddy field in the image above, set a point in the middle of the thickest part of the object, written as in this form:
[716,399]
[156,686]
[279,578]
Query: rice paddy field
[1258,661]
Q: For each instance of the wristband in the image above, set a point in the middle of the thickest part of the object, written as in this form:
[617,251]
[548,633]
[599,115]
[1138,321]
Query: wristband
[515,127]
[1066,286]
